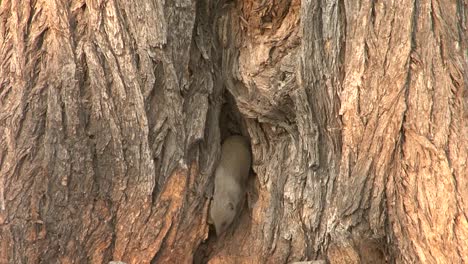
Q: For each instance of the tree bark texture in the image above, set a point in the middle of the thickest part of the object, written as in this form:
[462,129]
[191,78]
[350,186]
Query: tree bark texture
[112,114]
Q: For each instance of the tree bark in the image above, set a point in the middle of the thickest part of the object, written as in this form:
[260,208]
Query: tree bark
[112,114]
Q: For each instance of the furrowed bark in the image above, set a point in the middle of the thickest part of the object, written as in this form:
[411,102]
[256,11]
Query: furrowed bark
[112,114]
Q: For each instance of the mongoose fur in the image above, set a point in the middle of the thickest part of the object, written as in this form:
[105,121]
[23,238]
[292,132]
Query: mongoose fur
[230,180]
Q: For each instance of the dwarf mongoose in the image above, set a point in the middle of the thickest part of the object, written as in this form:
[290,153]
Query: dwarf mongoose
[230,180]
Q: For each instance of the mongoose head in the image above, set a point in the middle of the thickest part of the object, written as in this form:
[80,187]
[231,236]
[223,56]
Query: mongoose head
[222,213]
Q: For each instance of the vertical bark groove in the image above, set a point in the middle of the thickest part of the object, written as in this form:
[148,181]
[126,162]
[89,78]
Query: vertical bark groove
[112,114]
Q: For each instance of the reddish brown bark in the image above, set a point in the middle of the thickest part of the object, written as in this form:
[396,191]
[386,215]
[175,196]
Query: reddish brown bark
[112,114]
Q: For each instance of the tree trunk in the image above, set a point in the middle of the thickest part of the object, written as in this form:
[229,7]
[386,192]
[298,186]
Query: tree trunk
[112,114]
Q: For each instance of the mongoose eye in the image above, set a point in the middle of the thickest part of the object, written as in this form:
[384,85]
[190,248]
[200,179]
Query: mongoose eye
[231,206]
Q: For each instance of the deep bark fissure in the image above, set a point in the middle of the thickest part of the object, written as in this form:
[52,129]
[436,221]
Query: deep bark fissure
[112,114]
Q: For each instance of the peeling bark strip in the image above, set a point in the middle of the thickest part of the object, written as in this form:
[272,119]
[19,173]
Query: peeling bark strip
[112,114]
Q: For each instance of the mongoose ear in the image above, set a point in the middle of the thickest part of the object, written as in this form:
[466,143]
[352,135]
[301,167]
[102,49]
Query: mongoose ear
[231,206]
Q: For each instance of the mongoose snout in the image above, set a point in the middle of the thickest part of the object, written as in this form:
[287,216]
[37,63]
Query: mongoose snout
[230,182]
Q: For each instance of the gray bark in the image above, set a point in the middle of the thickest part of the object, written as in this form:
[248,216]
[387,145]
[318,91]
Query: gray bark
[112,114]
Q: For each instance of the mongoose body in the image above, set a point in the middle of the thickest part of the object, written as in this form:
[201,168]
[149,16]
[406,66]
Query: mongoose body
[230,180]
